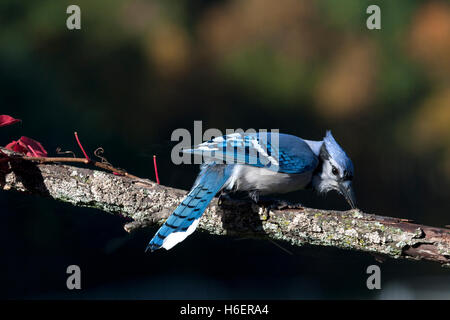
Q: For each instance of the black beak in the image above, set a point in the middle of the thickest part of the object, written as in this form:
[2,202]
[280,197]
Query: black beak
[346,190]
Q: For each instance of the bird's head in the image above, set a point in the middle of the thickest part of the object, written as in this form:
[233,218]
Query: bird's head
[336,172]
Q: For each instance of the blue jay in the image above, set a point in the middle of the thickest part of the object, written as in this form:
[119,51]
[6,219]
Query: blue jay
[257,164]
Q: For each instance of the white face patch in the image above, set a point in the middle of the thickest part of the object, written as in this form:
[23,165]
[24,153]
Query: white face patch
[176,237]
[327,180]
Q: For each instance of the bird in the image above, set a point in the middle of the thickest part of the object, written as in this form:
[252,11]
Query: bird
[257,164]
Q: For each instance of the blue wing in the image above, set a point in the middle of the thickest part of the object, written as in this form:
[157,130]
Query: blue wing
[277,152]
[184,219]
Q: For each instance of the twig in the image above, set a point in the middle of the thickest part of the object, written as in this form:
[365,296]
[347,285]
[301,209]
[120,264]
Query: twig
[77,160]
[156,169]
[81,147]
[98,153]
[58,151]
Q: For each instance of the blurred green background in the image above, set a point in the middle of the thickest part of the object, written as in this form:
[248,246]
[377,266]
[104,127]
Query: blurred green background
[137,70]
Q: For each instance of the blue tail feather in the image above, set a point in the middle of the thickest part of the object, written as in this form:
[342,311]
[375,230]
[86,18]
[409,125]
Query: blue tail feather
[210,181]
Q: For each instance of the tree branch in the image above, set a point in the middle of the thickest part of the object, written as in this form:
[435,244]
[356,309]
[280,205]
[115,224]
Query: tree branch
[148,203]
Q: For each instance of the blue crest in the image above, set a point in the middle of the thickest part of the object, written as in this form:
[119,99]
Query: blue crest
[337,153]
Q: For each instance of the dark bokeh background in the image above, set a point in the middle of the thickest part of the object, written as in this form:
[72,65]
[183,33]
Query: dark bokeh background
[137,70]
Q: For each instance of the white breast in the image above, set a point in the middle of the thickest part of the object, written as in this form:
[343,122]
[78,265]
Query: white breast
[248,178]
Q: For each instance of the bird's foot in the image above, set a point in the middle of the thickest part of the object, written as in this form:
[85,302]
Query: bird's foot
[228,197]
[223,197]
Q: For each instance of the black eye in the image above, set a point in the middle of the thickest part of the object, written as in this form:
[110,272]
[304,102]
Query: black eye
[335,171]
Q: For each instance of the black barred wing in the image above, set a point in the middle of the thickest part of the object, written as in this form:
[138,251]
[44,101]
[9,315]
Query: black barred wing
[274,151]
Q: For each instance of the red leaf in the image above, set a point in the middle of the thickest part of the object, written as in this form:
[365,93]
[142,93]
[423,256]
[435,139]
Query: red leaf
[30,147]
[16,147]
[35,148]
[6,120]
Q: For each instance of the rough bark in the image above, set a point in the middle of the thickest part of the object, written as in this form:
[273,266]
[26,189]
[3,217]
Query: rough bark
[148,203]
